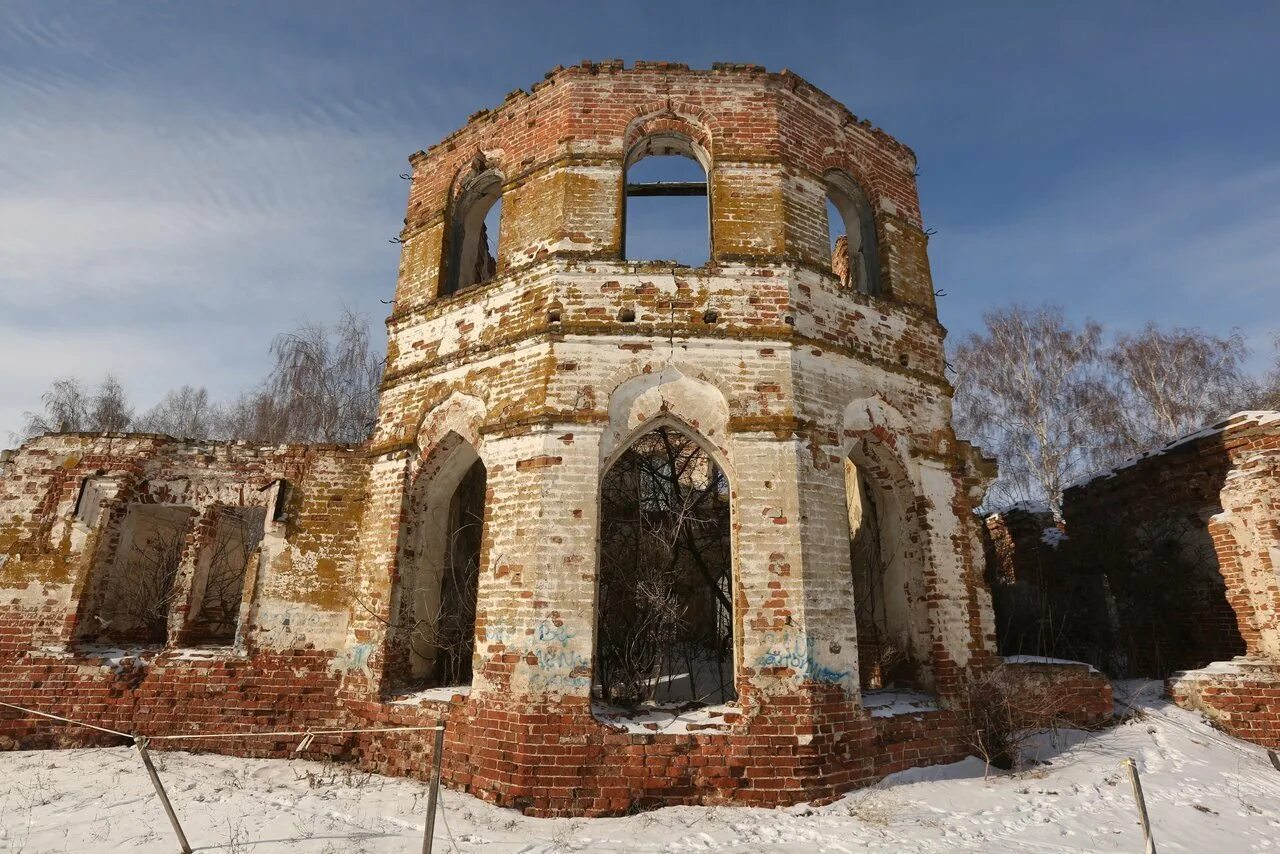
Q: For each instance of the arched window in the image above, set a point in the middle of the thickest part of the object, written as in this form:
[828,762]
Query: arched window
[667,212]
[433,607]
[852,232]
[475,234]
[664,626]
[886,563]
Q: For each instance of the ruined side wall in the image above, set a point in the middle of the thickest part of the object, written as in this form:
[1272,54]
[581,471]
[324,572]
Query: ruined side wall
[1167,562]
[1047,603]
[279,673]
[1168,568]
[54,553]
[1187,539]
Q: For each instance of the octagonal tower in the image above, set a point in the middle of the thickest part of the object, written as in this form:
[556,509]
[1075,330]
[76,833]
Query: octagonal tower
[811,376]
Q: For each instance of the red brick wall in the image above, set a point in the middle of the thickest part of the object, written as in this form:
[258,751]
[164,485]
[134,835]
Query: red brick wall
[1153,575]
[559,760]
[1066,692]
[552,760]
[169,692]
[1244,699]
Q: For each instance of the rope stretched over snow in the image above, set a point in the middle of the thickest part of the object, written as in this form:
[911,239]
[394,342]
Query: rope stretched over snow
[67,720]
[311,732]
[307,735]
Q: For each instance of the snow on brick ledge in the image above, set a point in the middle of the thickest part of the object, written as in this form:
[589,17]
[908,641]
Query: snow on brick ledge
[667,718]
[1042,659]
[1240,695]
[445,694]
[1241,666]
[1258,418]
[887,704]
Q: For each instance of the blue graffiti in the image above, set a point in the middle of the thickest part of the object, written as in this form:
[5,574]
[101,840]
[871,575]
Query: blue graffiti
[496,634]
[357,658]
[560,659]
[795,651]
[551,632]
[558,667]
[546,632]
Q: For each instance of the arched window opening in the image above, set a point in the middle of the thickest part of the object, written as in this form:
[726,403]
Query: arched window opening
[667,210]
[892,655]
[851,230]
[217,587]
[433,627]
[664,628]
[477,230]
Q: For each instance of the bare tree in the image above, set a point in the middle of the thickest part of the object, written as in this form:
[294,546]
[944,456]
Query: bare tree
[325,381]
[69,407]
[255,416]
[323,387]
[1029,388]
[1266,390]
[183,412]
[111,411]
[1170,383]
[66,409]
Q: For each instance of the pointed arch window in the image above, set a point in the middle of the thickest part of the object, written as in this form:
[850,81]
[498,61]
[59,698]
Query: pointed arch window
[665,629]
[886,560]
[433,625]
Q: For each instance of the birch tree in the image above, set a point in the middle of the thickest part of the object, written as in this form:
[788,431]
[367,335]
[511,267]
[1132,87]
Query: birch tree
[1028,389]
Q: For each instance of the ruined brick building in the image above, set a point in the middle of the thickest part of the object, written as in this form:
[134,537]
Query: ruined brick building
[1167,566]
[308,586]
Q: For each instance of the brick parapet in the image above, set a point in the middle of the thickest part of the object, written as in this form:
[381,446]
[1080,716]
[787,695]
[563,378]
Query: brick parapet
[1072,693]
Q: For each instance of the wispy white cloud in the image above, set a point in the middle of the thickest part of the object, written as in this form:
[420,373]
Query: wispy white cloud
[1188,240]
[166,237]
[180,181]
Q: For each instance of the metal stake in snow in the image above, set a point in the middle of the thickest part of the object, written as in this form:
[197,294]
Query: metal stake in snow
[1142,805]
[141,742]
[433,793]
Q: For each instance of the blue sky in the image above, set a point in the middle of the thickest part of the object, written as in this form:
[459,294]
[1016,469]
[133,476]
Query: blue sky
[180,181]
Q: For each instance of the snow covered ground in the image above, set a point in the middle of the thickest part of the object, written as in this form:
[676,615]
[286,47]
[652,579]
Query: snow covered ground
[1206,793]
